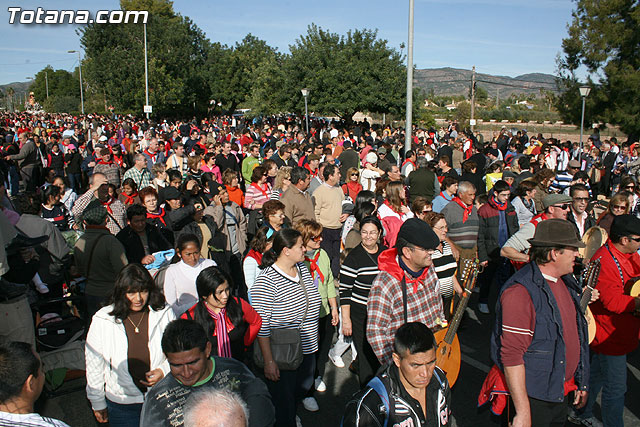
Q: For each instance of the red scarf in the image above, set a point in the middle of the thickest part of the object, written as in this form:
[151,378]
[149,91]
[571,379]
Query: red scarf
[255,255]
[312,172]
[313,266]
[386,202]
[119,161]
[102,162]
[152,156]
[159,215]
[409,161]
[467,209]
[264,192]
[107,205]
[129,200]
[496,204]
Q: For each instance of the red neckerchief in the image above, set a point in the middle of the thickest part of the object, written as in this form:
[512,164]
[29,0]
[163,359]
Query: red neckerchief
[313,173]
[386,202]
[107,205]
[102,162]
[538,218]
[255,255]
[409,161]
[119,161]
[159,215]
[496,204]
[467,209]
[153,156]
[313,266]
[129,200]
[264,192]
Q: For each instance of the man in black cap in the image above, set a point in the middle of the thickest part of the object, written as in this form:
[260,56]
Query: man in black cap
[405,290]
[617,322]
[540,337]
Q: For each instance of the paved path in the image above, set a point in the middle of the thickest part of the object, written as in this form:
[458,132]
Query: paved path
[341,384]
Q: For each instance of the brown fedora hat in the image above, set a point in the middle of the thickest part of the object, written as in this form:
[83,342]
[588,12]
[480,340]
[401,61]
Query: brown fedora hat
[556,232]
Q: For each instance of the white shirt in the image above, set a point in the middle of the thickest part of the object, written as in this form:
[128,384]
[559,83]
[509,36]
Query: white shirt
[31,420]
[180,284]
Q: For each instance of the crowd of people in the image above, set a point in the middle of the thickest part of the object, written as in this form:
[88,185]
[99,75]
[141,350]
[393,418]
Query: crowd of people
[222,263]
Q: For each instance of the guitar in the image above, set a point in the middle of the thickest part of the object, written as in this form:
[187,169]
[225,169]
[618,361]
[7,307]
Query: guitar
[593,239]
[448,350]
[590,279]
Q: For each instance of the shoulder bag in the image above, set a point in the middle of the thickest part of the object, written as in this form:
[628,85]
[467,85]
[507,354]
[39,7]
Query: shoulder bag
[286,346]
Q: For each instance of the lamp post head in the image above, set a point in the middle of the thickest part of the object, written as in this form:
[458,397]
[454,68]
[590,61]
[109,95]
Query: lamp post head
[305,92]
[71,51]
[584,91]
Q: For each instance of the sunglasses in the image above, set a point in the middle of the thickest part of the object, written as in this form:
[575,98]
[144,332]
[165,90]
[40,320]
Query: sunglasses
[635,239]
[317,238]
[563,207]
[581,199]
[354,174]
[620,207]
[630,186]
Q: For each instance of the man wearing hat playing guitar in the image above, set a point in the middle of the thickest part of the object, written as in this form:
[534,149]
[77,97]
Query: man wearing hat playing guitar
[617,321]
[540,338]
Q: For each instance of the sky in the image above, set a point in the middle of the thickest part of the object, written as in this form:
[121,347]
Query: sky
[500,37]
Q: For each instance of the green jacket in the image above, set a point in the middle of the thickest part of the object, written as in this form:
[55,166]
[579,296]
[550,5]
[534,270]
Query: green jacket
[248,164]
[326,288]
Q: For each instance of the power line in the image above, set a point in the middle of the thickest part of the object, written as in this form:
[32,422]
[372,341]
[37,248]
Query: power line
[37,63]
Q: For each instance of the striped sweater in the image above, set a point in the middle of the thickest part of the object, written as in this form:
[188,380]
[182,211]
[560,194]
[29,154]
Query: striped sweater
[280,301]
[463,234]
[356,275]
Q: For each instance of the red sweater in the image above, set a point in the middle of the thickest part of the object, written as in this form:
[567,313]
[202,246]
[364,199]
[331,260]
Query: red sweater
[616,327]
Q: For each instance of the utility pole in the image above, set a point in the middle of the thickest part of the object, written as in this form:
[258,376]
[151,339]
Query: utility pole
[473,97]
[498,99]
[146,71]
[408,121]
[46,81]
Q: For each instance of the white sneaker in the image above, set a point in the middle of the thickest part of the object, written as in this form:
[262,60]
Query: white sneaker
[298,422]
[336,360]
[310,404]
[42,288]
[483,308]
[320,385]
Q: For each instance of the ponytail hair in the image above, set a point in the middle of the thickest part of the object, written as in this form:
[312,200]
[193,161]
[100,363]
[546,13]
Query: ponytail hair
[285,238]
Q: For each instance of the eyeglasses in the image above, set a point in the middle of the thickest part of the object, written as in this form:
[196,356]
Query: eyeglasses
[317,238]
[619,207]
[563,207]
[581,199]
[354,174]
[635,239]
[630,186]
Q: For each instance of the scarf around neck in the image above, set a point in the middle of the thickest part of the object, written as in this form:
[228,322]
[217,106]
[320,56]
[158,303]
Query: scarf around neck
[466,209]
[222,335]
[314,268]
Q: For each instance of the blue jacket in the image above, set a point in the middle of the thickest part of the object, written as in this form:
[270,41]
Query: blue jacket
[545,358]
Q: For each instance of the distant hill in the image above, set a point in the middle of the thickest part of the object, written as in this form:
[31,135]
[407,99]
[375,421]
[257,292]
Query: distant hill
[455,81]
[20,89]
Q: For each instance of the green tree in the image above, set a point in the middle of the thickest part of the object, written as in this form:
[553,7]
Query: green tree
[232,72]
[603,38]
[62,84]
[345,74]
[177,52]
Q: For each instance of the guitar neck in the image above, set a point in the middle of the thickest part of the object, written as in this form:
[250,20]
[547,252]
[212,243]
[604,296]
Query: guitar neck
[586,297]
[462,305]
[591,278]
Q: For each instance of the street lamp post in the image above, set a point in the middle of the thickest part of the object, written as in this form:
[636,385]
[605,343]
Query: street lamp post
[146,71]
[409,119]
[80,70]
[584,92]
[305,94]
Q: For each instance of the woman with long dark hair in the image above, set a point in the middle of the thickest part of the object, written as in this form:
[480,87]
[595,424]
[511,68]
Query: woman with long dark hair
[285,297]
[230,322]
[180,278]
[123,352]
[394,211]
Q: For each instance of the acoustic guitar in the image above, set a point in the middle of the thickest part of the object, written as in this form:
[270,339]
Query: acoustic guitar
[448,351]
[593,239]
[633,288]
[590,279]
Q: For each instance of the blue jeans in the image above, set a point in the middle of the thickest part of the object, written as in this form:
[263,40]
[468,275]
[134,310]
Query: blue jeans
[609,374]
[121,415]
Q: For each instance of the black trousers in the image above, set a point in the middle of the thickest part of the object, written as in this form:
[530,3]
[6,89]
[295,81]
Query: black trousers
[331,244]
[367,361]
[289,391]
[544,414]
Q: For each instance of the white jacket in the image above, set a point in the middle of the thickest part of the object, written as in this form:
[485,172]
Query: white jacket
[106,357]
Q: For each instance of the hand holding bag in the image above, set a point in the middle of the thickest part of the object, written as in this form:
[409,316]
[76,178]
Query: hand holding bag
[286,346]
